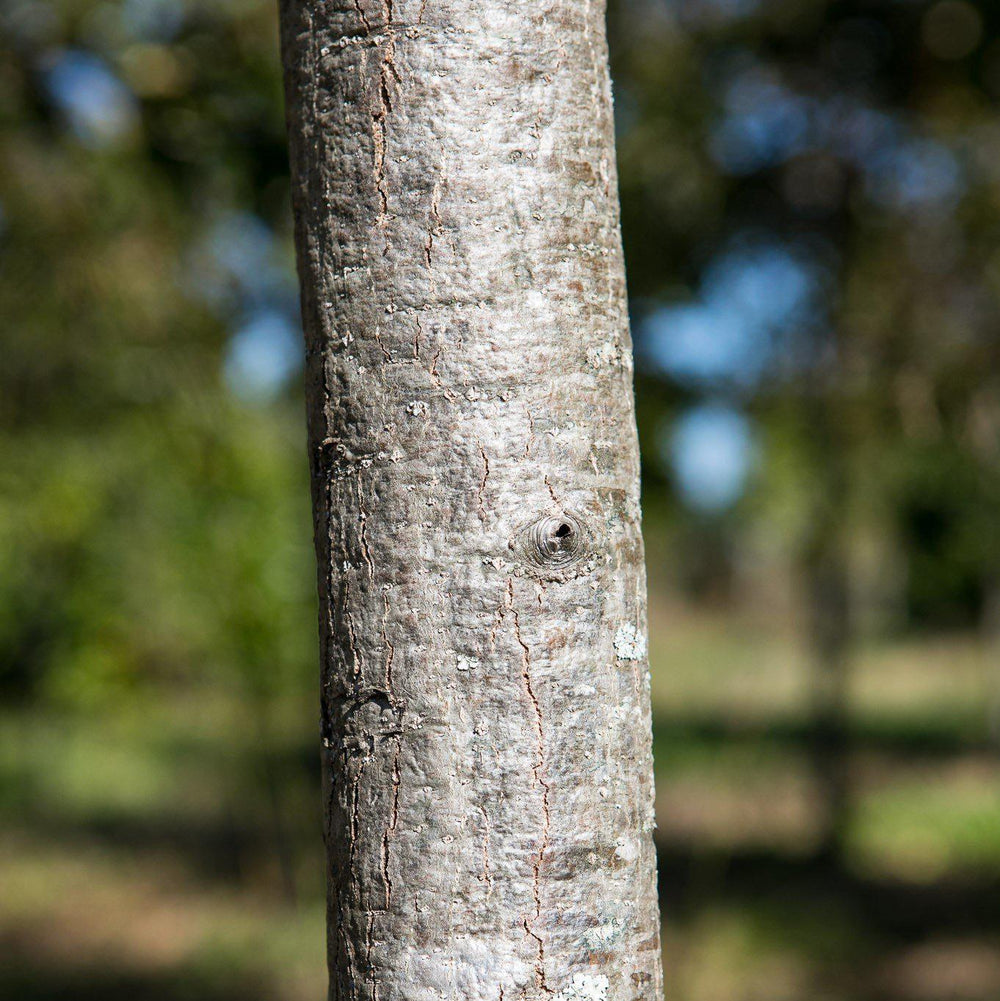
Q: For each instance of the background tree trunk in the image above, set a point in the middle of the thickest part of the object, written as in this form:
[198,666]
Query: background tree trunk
[824,562]
[485,713]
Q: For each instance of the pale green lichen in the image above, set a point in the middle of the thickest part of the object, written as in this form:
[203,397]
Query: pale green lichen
[585,987]
[630,643]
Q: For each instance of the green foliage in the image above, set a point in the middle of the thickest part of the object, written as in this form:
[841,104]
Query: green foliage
[154,523]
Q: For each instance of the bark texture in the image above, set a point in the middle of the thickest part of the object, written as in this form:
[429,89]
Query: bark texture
[485,697]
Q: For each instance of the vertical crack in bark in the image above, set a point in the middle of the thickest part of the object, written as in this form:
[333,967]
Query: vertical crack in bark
[482,483]
[487,874]
[537,770]
[390,649]
[381,110]
[435,222]
[432,371]
[531,435]
[395,788]
[391,826]
[552,493]
[352,640]
[386,357]
[363,531]
[365,23]
[386,878]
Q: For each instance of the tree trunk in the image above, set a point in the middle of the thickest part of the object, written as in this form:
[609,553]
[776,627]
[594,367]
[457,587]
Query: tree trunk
[829,623]
[485,698]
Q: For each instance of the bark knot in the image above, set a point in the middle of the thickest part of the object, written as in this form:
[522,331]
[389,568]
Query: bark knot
[554,546]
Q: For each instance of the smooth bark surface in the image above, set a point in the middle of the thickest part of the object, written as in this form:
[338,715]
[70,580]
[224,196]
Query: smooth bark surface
[485,714]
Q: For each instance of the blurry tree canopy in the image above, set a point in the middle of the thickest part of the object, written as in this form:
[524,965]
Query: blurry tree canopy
[828,236]
[154,498]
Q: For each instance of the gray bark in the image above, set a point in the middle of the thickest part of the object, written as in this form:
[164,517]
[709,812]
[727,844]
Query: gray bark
[485,697]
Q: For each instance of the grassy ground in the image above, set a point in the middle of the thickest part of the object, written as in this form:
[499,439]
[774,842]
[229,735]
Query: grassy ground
[161,853]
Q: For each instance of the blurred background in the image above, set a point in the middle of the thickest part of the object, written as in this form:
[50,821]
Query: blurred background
[811,212]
